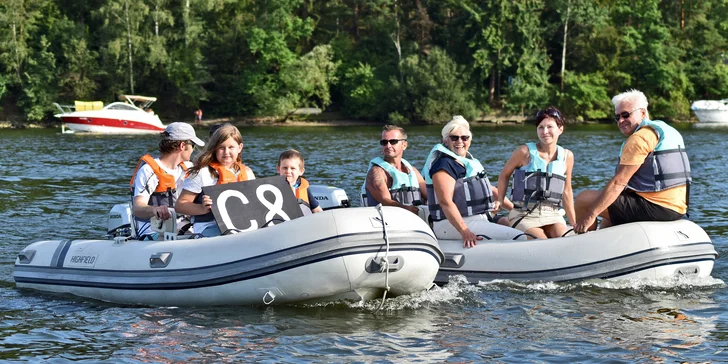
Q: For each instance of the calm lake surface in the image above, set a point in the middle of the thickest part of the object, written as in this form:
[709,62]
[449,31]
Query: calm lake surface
[56,186]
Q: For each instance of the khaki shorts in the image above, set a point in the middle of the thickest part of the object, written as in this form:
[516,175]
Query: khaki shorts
[541,216]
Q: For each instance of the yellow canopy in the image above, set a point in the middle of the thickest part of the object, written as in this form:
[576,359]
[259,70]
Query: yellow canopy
[88,105]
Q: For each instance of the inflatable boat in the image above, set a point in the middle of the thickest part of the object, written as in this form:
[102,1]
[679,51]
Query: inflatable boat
[635,250]
[344,253]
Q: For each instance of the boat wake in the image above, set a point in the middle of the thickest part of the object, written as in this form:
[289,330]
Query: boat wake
[673,283]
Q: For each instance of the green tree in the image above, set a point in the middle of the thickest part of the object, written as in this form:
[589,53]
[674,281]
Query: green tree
[648,53]
[121,41]
[530,88]
[362,92]
[434,88]
[485,31]
[585,97]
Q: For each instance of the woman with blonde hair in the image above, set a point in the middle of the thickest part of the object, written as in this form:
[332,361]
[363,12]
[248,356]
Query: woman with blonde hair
[220,162]
[460,195]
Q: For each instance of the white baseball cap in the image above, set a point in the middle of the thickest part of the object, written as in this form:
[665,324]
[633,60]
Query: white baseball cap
[183,131]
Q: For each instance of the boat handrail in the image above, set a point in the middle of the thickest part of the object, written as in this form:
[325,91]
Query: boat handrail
[65,109]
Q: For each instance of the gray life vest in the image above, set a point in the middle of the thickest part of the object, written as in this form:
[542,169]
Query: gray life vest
[665,167]
[472,195]
[540,180]
[405,187]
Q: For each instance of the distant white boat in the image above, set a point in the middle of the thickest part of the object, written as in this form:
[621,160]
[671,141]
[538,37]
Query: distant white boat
[132,115]
[712,112]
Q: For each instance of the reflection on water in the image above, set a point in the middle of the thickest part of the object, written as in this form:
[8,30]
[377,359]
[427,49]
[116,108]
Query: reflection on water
[62,186]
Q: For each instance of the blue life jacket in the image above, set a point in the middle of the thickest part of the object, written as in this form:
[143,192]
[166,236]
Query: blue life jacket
[405,187]
[540,180]
[473,194]
[665,167]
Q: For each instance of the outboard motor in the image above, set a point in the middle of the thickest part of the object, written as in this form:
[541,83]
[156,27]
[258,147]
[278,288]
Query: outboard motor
[120,221]
[329,197]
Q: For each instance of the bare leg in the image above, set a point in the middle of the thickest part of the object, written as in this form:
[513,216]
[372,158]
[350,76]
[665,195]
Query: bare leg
[537,232]
[584,200]
[555,230]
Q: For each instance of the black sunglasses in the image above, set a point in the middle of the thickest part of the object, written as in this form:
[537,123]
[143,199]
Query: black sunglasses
[549,112]
[461,137]
[189,142]
[384,142]
[624,115]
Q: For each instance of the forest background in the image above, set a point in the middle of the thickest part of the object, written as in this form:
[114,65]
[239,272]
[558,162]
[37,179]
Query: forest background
[402,61]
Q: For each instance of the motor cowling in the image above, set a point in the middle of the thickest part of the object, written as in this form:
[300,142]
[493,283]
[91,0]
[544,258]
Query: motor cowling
[119,221]
[329,197]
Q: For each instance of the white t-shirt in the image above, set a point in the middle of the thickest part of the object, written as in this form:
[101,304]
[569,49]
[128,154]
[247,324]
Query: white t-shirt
[146,182]
[195,183]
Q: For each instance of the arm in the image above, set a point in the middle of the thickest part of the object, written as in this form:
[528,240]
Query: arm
[146,181]
[143,211]
[250,173]
[376,185]
[186,204]
[609,194]
[444,186]
[313,204]
[568,197]
[519,158]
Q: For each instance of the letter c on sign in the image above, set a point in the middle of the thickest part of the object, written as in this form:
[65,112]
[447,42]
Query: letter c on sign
[223,211]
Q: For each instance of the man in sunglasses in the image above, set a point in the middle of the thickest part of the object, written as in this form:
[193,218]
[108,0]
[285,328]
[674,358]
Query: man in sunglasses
[391,180]
[652,180]
[155,180]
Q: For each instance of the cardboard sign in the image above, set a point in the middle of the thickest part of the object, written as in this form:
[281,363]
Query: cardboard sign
[250,205]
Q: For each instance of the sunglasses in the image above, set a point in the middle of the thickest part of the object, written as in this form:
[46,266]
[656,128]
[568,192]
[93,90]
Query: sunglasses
[461,137]
[384,142]
[549,112]
[191,144]
[624,115]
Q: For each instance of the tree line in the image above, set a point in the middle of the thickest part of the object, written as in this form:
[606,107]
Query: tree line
[404,61]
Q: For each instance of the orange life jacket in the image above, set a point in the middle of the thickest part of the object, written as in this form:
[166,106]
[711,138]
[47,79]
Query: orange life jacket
[166,180]
[163,195]
[224,175]
[302,192]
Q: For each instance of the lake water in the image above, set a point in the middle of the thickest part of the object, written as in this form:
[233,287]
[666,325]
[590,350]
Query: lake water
[61,186]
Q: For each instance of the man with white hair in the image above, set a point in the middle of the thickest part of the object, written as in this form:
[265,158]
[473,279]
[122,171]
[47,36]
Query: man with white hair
[652,179]
[155,180]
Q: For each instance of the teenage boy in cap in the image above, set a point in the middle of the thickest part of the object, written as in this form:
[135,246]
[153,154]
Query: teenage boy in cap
[155,180]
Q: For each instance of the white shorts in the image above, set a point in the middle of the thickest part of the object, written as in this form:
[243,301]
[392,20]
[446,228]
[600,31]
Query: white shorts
[541,216]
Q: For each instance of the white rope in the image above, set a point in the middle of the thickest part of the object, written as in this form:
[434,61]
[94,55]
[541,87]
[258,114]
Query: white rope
[385,262]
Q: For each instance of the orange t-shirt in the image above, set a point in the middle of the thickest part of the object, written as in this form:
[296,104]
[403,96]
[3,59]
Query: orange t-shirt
[635,151]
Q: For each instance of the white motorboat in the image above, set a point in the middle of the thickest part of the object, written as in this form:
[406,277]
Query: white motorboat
[345,253]
[131,115]
[635,250]
[711,112]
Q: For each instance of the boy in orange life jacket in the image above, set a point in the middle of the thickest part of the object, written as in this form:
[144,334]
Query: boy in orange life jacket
[157,182]
[290,165]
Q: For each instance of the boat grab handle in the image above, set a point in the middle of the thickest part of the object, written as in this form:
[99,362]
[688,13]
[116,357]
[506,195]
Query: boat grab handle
[272,297]
[486,237]
[377,264]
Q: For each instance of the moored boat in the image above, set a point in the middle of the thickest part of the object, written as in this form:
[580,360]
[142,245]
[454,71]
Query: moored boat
[131,115]
[711,112]
[353,253]
[635,250]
